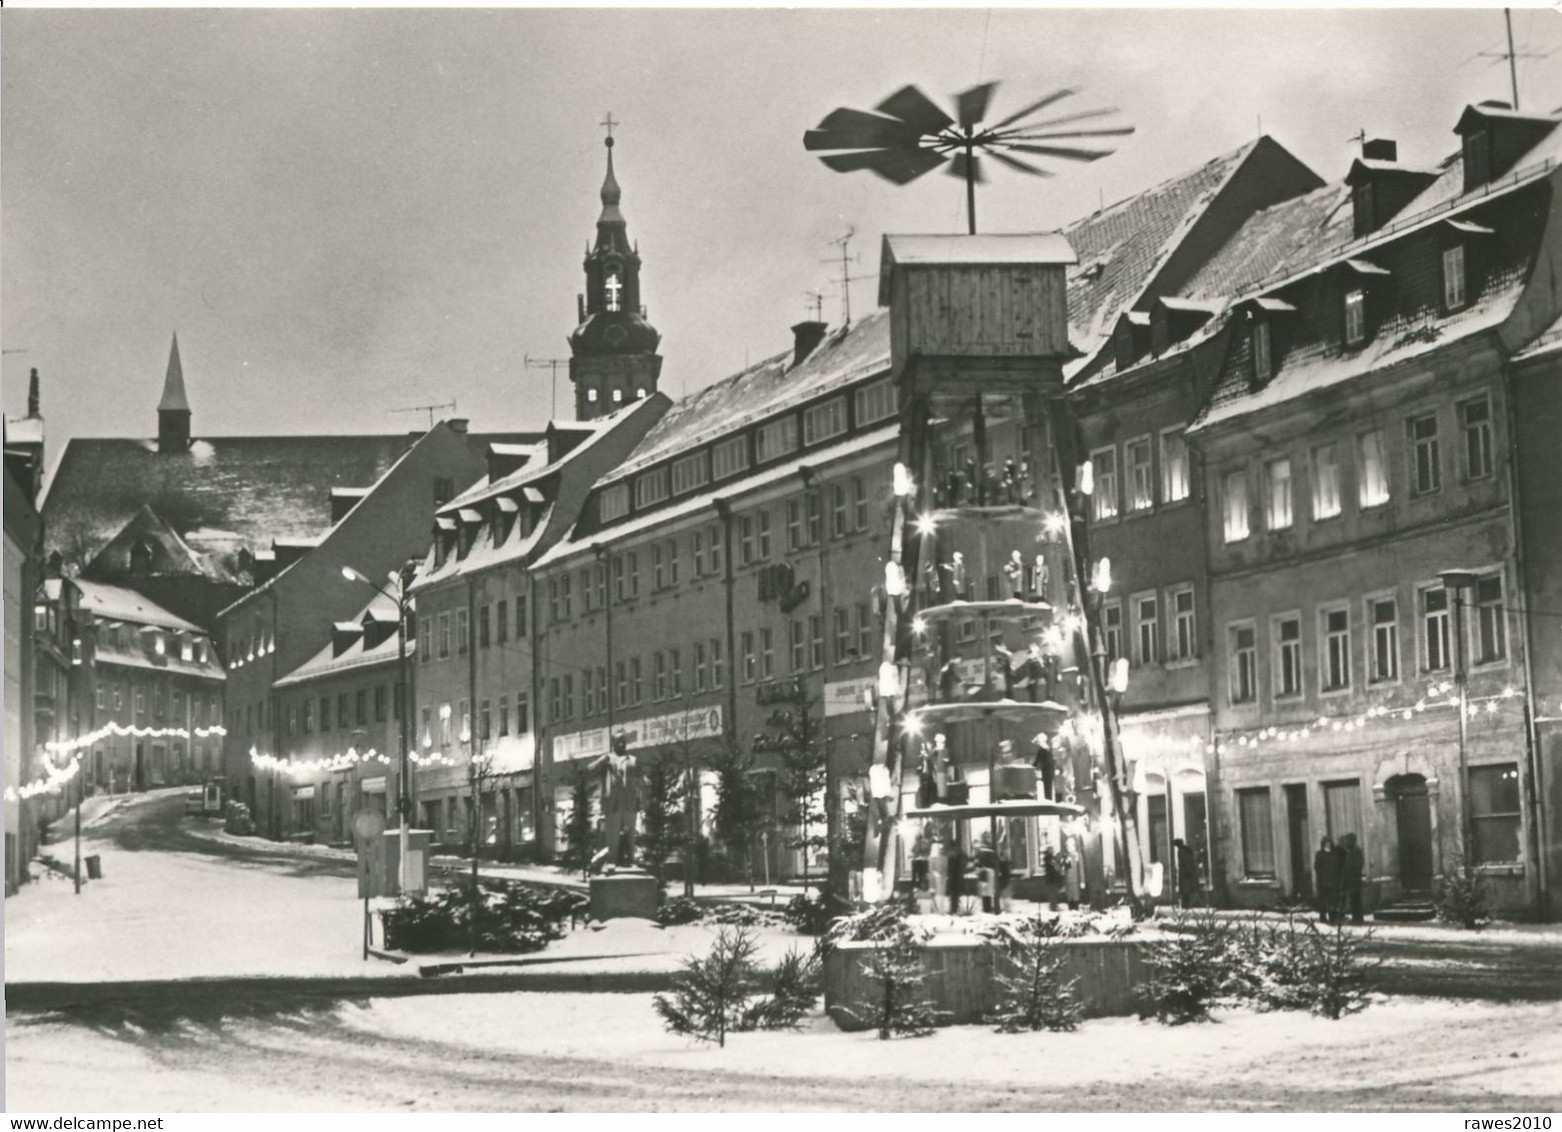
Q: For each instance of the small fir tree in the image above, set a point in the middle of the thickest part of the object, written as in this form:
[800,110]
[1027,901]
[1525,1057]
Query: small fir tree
[897,1009]
[1190,972]
[797,738]
[712,994]
[1461,898]
[1034,992]
[665,819]
[578,826]
[739,816]
[1339,971]
[794,989]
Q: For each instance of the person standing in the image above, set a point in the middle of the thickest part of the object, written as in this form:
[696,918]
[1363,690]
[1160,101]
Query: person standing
[1187,872]
[1326,879]
[1351,869]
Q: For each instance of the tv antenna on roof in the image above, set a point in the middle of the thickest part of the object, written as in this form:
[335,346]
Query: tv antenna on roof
[847,278]
[429,409]
[815,304]
[552,366]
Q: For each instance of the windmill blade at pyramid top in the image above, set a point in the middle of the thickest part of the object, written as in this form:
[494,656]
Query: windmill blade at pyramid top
[971,105]
[910,105]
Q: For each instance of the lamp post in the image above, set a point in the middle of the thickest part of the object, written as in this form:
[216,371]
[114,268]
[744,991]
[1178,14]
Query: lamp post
[404,879]
[1458,581]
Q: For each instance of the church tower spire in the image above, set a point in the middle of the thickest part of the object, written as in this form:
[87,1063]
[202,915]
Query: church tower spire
[173,411]
[613,358]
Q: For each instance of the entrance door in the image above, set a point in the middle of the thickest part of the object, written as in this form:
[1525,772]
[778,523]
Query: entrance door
[1195,833]
[1301,838]
[1413,825]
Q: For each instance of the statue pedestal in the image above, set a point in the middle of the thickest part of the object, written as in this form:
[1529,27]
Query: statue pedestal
[624,893]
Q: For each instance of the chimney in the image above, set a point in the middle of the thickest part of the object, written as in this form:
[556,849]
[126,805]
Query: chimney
[32,394]
[1380,149]
[506,458]
[458,424]
[806,337]
[343,500]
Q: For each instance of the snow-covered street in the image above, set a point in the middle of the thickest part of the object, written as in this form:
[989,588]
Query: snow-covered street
[531,1052]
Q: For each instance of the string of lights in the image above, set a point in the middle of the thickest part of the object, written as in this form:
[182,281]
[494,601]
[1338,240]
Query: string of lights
[71,746]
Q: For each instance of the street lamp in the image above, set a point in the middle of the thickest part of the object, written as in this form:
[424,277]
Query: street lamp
[404,879]
[1458,581]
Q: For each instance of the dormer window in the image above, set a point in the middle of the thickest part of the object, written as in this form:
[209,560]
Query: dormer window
[1123,345]
[1455,280]
[1263,354]
[1355,317]
[1477,158]
[1361,208]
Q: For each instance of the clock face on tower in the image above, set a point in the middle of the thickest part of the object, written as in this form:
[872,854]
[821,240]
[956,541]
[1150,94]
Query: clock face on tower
[615,335]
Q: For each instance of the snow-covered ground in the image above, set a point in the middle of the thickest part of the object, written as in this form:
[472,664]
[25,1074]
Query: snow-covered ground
[510,1052]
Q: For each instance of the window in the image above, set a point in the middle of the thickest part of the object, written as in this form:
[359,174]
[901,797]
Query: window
[504,717]
[843,634]
[859,503]
[1147,628]
[1184,638]
[875,401]
[718,670]
[1244,664]
[502,621]
[699,666]
[636,681]
[634,573]
[729,457]
[794,524]
[523,722]
[463,628]
[1361,208]
[1336,648]
[813,508]
[651,487]
[1288,656]
[750,657]
[1174,466]
[1384,661]
[482,628]
[1326,482]
[1141,475]
[1263,360]
[1373,485]
[1454,295]
[555,704]
[816,640]
[1235,501]
[1435,654]
[1355,317]
[838,510]
[1103,466]
[865,628]
[767,654]
[485,730]
[675,672]
[1491,640]
[1112,627]
[361,705]
[1494,813]
[613,292]
[658,676]
[690,472]
[613,502]
[1277,494]
[1477,157]
[599,585]
[520,618]
[1258,843]
[764,534]
[1475,422]
[798,635]
[716,550]
[824,421]
[623,684]
[1426,473]
[746,539]
[379,704]
[444,635]
[658,571]
[776,439]
[325,713]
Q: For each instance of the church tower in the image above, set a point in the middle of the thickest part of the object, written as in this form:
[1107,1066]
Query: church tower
[173,411]
[613,358]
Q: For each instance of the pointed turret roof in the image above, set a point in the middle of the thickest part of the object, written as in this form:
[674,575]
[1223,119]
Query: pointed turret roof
[611,194]
[174,399]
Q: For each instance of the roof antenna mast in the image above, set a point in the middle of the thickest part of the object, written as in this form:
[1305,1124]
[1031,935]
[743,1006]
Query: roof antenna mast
[429,409]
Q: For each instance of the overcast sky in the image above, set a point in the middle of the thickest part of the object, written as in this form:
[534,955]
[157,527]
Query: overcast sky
[344,213]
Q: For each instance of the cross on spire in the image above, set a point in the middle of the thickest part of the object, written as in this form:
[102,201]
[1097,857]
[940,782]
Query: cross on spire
[609,123]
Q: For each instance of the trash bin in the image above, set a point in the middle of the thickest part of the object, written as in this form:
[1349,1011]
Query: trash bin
[94,867]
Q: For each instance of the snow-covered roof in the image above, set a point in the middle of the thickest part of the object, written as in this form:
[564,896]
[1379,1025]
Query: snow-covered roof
[326,663]
[952,250]
[116,603]
[1548,341]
